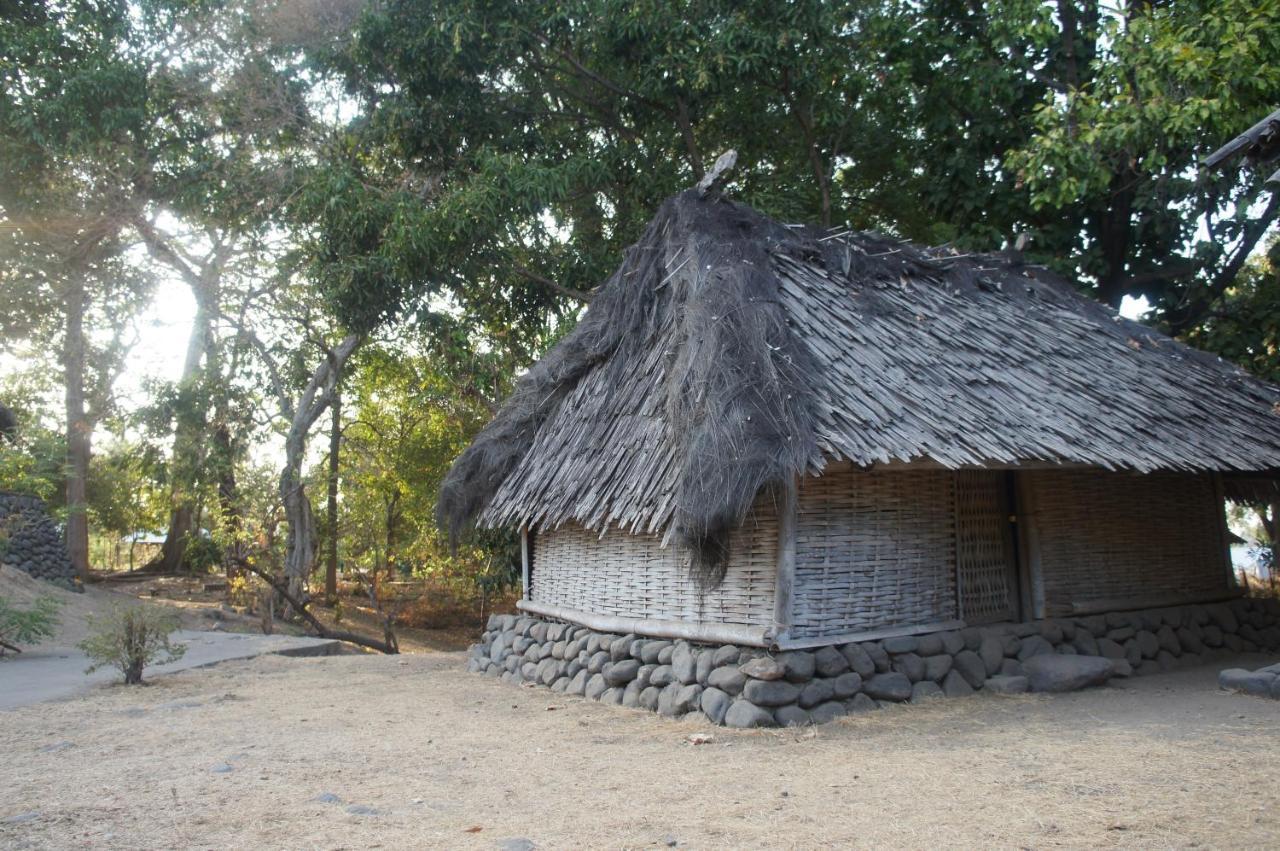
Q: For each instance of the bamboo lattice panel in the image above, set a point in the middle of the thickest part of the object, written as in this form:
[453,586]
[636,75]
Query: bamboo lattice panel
[1117,535]
[635,576]
[984,548]
[874,550]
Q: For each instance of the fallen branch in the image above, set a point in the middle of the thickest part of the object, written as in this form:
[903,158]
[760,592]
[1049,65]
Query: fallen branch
[323,631]
[6,645]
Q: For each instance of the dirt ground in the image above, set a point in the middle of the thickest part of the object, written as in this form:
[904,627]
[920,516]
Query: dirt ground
[420,754]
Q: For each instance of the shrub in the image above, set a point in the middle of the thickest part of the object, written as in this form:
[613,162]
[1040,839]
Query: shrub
[131,638]
[27,626]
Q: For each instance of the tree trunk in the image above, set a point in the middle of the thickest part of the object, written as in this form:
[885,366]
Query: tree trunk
[189,430]
[331,556]
[393,515]
[79,432]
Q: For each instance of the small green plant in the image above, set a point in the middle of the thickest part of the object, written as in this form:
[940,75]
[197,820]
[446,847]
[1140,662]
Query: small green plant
[130,638]
[27,626]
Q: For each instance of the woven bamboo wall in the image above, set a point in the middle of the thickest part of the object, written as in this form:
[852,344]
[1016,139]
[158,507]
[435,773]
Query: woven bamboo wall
[1110,536]
[984,548]
[635,576]
[874,550]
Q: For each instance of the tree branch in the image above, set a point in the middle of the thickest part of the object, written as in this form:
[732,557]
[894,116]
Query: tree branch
[576,295]
[323,631]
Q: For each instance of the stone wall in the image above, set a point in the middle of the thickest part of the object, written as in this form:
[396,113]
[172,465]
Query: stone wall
[31,542]
[749,687]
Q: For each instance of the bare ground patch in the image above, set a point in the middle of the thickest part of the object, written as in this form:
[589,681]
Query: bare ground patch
[429,756]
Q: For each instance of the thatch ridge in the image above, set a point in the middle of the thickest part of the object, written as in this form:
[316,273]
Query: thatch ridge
[729,352]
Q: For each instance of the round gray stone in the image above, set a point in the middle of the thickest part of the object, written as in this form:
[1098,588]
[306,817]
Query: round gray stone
[1055,673]
[829,662]
[771,692]
[728,679]
[715,703]
[992,652]
[743,714]
[888,686]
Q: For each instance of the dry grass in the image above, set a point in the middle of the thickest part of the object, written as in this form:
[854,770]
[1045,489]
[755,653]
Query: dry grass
[452,760]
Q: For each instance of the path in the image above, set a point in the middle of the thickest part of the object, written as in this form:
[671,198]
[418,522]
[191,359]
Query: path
[55,673]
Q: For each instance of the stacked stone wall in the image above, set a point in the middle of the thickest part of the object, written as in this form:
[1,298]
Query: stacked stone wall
[750,687]
[31,542]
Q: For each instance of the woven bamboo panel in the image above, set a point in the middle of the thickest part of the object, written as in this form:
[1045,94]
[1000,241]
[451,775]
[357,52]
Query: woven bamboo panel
[1117,535]
[874,550]
[635,576]
[984,548]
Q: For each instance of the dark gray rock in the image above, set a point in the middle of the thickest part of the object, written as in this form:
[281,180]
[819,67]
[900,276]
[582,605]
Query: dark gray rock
[888,686]
[612,696]
[1034,645]
[1006,685]
[1085,644]
[791,716]
[684,664]
[1121,668]
[925,691]
[560,685]
[911,665]
[1054,632]
[727,679]
[878,656]
[992,652]
[763,668]
[622,672]
[631,694]
[971,666]
[327,798]
[726,654]
[952,643]
[825,713]
[362,810]
[956,685]
[1169,640]
[900,644]
[1148,646]
[705,660]
[1011,644]
[743,715]
[829,662]
[677,700]
[650,649]
[862,703]
[847,685]
[649,698]
[1131,652]
[1189,639]
[620,648]
[1022,630]
[1121,635]
[662,676]
[1109,649]
[771,692]
[1166,660]
[798,665]
[598,660]
[858,660]
[1054,673]
[665,654]
[596,686]
[578,685]
[516,844]
[817,691]
[715,703]
[937,667]
[1257,683]
[929,645]
[643,675]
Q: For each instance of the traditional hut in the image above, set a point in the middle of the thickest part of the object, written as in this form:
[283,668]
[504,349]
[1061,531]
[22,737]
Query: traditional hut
[767,435]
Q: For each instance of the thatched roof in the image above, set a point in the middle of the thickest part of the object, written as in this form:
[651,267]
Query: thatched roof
[729,352]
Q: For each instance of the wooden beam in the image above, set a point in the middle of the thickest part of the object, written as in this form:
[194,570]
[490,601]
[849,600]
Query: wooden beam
[706,633]
[867,635]
[1224,533]
[785,576]
[1029,564]
[524,563]
[1160,601]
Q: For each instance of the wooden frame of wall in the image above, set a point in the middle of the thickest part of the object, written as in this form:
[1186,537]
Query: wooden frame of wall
[781,632]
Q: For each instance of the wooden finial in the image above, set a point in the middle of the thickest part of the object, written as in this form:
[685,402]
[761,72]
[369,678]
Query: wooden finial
[714,178]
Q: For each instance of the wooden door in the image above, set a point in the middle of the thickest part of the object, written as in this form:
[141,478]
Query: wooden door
[986,554]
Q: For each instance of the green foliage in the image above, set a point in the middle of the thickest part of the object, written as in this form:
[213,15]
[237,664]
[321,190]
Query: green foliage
[130,638]
[202,555]
[1245,327]
[27,626]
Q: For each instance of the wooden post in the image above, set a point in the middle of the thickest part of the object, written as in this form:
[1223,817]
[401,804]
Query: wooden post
[1032,584]
[524,563]
[784,584]
[1224,533]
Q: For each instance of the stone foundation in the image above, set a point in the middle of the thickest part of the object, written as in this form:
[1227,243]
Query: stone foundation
[750,687]
[31,542]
